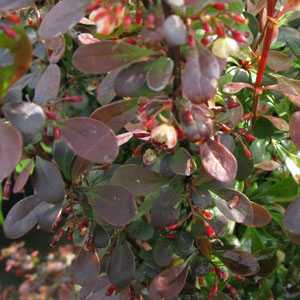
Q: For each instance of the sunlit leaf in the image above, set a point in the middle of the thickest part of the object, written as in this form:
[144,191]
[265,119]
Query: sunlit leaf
[21,218]
[28,117]
[11,147]
[47,87]
[218,161]
[64,15]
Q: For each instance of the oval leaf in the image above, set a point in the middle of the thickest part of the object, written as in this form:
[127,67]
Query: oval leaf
[240,262]
[121,269]
[11,147]
[200,75]
[137,179]
[115,205]
[105,90]
[62,17]
[160,73]
[169,283]
[48,183]
[47,87]
[291,221]
[117,114]
[21,218]
[218,161]
[28,117]
[102,57]
[14,4]
[91,139]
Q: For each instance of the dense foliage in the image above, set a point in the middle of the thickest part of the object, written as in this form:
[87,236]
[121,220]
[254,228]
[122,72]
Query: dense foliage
[161,138]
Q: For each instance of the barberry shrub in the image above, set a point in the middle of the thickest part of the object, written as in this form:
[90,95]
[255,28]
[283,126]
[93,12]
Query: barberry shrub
[161,138]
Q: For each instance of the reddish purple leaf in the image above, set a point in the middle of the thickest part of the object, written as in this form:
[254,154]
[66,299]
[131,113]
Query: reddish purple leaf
[114,204]
[291,221]
[102,57]
[57,47]
[117,114]
[218,161]
[200,76]
[48,183]
[240,262]
[91,139]
[22,178]
[169,283]
[11,148]
[21,218]
[64,15]
[14,4]
[235,87]
[47,87]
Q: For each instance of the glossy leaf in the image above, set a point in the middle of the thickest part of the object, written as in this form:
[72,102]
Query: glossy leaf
[48,182]
[11,148]
[200,75]
[90,139]
[21,218]
[57,47]
[160,73]
[28,117]
[102,57]
[64,15]
[137,179]
[47,87]
[22,178]
[240,262]
[117,114]
[47,214]
[121,270]
[101,237]
[131,80]
[291,221]
[218,161]
[115,205]
[235,87]
[181,163]
[169,283]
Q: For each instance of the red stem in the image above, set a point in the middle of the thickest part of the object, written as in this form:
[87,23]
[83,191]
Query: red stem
[265,53]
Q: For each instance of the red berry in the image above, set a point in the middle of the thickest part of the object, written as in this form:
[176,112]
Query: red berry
[191,40]
[210,232]
[57,133]
[219,6]
[172,227]
[51,115]
[207,214]
[187,116]
[213,291]
[239,37]
[205,41]
[127,22]
[220,30]
[150,21]
[170,236]
[150,123]
[13,18]
[138,17]
[206,27]
[111,290]
[240,19]
[137,151]
[180,133]
[249,137]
